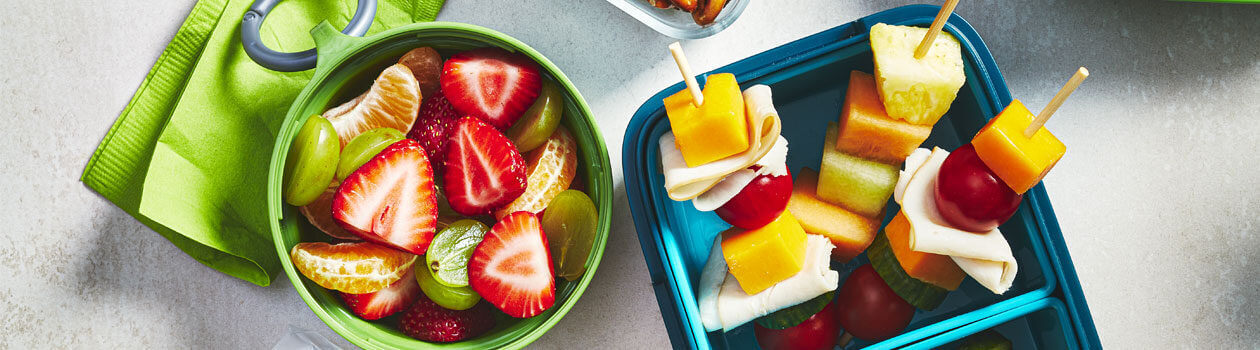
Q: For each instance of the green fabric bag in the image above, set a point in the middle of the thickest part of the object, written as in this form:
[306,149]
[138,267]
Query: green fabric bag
[188,157]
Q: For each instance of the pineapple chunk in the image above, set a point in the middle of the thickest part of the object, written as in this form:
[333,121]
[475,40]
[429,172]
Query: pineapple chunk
[918,91]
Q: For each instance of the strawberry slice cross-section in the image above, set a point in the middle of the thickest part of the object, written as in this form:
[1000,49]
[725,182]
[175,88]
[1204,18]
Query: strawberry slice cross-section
[511,268]
[492,84]
[391,199]
[484,170]
[385,302]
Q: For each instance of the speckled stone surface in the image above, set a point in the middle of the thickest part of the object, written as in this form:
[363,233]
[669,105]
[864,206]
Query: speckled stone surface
[1157,197]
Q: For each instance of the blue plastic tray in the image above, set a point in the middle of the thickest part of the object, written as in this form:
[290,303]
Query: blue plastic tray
[808,77]
[1042,324]
[1065,272]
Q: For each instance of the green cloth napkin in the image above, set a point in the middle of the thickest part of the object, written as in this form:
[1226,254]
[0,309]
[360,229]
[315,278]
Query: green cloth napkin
[189,155]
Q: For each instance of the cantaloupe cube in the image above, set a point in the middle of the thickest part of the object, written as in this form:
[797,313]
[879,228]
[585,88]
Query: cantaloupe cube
[715,130]
[917,90]
[763,257]
[939,270]
[859,185]
[867,131]
[850,232]
[1020,161]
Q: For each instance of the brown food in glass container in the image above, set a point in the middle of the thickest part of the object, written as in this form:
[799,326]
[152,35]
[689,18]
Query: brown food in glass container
[707,11]
[685,5]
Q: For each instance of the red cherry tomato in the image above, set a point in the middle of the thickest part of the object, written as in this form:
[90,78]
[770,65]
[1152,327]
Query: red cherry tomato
[759,203]
[868,309]
[970,196]
[818,332]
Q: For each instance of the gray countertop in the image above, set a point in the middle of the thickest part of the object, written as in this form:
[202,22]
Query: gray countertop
[1158,197]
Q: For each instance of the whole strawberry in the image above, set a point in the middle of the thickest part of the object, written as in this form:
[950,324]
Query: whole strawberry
[432,128]
[427,321]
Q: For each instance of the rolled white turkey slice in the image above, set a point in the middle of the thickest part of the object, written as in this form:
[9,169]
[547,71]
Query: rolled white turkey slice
[772,164]
[985,256]
[997,276]
[735,307]
[912,164]
[710,284]
[725,190]
[683,183]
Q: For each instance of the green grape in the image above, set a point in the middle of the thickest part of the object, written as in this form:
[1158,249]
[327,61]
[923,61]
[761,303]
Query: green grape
[454,298]
[448,254]
[312,161]
[365,146]
[539,121]
[570,223]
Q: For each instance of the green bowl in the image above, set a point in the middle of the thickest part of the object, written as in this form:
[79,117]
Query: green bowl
[347,66]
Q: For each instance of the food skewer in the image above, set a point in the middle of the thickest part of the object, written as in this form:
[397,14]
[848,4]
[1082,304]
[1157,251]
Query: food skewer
[697,98]
[935,29]
[1059,98]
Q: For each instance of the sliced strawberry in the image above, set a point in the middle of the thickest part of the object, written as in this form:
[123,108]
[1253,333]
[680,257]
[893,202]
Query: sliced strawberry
[391,199]
[492,84]
[511,267]
[385,302]
[427,321]
[433,128]
[484,170]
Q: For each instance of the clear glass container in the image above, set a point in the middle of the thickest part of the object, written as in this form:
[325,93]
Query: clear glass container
[676,23]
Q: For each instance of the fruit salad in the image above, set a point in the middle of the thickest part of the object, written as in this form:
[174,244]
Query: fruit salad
[443,193]
[774,265]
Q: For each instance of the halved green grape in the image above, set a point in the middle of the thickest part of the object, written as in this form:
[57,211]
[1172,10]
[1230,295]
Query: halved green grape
[312,161]
[454,298]
[539,121]
[365,146]
[450,250]
[570,223]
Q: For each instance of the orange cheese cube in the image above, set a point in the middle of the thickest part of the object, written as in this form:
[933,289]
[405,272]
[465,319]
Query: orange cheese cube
[1020,161]
[715,130]
[763,257]
[939,270]
[850,232]
[867,131]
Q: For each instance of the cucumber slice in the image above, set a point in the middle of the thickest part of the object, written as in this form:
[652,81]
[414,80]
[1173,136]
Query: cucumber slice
[922,295]
[987,340]
[793,315]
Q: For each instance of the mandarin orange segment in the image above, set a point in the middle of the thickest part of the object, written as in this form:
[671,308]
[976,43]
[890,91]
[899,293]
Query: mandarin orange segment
[550,169]
[392,102]
[354,268]
[319,213]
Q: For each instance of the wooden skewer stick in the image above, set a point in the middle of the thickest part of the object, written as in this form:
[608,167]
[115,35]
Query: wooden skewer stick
[1057,101]
[935,29]
[697,98]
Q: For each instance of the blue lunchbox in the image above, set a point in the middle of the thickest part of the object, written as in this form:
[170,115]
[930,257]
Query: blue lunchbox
[809,78]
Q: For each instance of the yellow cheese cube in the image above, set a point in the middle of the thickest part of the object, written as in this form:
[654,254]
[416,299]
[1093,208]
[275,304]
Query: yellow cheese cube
[916,90]
[715,130]
[766,256]
[1020,161]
